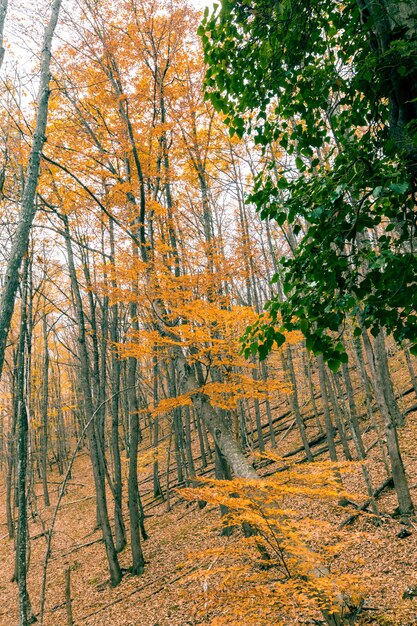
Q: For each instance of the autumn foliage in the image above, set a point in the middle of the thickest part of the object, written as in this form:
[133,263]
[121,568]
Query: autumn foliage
[271,574]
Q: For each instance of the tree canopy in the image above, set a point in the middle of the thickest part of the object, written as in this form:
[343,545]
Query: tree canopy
[328,90]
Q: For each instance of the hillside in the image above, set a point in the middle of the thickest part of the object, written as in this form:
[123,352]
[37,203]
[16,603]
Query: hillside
[172,591]
[208,312]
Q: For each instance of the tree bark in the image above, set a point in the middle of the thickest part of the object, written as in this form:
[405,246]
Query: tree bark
[405,503]
[390,21]
[28,209]
[3,12]
[119,527]
[22,458]
[45,402]
[97,464]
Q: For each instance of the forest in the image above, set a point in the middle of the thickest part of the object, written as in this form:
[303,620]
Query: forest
[208,325]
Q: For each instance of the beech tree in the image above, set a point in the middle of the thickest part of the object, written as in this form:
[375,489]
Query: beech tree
[160,234]
[330,69]
[28,207]
[313,80]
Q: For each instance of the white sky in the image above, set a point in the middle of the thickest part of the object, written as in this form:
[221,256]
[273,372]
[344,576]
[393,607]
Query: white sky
[201,4]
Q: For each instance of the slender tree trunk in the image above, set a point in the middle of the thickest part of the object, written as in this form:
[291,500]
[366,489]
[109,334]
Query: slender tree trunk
[258,420]
[264,371]
[119,527]
[353,422]
[405,503]
[288,367]
[309,376]
[68,602]
[330,430]
[338,418]
[388,389]
[358,354]
[11,454]
[97,464]
[22,458]
[157,489]
[45,402]
[410,366]
[27,212]
[3,12]
[138,561]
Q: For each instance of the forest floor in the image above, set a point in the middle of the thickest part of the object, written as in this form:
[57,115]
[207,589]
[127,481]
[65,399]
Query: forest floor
[167,594]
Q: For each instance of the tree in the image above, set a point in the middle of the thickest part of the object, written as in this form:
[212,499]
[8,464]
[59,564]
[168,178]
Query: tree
[3,11]
[285,583]
[28,208]
[313,78]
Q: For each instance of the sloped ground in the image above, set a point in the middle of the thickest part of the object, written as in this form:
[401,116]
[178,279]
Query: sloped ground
[164,595]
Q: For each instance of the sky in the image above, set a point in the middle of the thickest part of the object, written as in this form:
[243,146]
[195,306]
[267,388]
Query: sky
[24,38]
[201,4]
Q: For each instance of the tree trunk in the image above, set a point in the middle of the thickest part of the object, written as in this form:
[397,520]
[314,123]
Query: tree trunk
[288,366]
[45,401]
[330,430]
[391,22]
[97,464]
[3,12]
[22,458]
[405,503]
[27,212]
[119,527]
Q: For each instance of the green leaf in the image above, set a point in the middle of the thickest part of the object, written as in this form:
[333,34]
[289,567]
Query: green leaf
[310,342]
[263,351]
[399,187]
[280,218]
[333,364]
[279,338]
[299,164]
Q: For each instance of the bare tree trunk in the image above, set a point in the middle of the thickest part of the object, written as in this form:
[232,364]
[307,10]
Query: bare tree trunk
[358,354]
[157,489]
[258,420]
[25,611]
[11,454]
[288,366]
[138,560]
[330,429]
[264,371]
[3,12]
[410,367]
[338,418]
[388,385]
[68,603]
[22,425]
[96,462]
[309,376]
[28,209]
[353,422]
[45,401]
[405,503]
[119,527]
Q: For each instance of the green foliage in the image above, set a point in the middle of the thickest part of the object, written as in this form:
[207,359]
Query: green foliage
[308,78]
